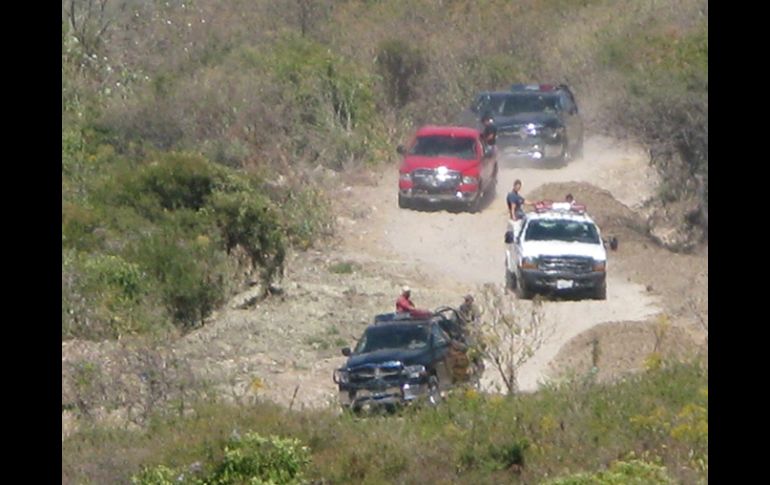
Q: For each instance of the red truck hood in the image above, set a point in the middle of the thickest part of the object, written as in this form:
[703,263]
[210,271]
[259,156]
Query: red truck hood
[460,164]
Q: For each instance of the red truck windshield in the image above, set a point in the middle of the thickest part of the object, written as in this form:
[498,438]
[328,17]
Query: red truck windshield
[444,146]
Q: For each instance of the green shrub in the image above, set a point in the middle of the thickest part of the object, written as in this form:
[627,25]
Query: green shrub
[248,220]
[666,76]
[305,212]
[176,181]
[190,274]
[498,70]
[105,296]
[343,267]
[631,472]
[176,219]
[115,272]
[79,224]
[400,66]
[509,454]
[156,475]
[258,460]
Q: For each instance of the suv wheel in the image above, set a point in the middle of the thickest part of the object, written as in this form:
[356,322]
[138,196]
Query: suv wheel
[492,185]
[600,293]
[402,202]
[566,153]
[475,205]
[434,393]
[523,291]
[510,279]
[579,149]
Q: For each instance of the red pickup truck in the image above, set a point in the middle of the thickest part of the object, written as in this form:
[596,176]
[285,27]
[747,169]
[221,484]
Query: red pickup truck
[448,164]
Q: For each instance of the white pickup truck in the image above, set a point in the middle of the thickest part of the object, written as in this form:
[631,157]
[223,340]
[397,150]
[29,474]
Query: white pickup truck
[557,248]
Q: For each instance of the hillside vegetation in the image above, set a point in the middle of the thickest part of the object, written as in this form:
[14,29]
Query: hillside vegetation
[197,141]
[648,429]
[190,129]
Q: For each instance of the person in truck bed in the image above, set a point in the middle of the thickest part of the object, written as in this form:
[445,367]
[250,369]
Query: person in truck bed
[489,135]
[404,304]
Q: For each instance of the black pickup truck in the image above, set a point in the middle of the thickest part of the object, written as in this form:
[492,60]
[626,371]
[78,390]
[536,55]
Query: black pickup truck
[401,358]
[537,121]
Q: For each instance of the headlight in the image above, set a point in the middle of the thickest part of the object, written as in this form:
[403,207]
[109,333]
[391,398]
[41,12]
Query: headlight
[415,371]
[600,266]
[529,263]
[533,129]
[340,376]
[406,177]
[469,179]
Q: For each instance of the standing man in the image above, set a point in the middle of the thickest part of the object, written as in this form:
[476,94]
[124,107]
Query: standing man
[516,208]
[516,202]
[468,311]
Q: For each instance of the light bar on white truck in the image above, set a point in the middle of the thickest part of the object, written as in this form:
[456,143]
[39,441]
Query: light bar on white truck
[548,205]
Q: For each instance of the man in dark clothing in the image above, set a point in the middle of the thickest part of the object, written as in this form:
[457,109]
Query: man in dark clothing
[489,135]
[468,311]
[516,202]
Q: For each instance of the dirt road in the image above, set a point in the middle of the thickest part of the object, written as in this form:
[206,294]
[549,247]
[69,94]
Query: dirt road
[467,250]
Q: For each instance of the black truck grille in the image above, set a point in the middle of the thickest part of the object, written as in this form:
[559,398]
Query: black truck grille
[517,135]
[431,181]
[566,264]
[373,374]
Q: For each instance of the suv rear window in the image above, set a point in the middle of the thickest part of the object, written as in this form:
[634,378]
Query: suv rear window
[562,230]
[445,146]
[529,103]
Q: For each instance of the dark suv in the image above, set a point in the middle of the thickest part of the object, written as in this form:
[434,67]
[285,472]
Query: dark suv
[538,121]
[401,358]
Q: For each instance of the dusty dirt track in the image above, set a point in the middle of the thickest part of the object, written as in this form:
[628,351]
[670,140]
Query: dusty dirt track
[285,348]
[464,250]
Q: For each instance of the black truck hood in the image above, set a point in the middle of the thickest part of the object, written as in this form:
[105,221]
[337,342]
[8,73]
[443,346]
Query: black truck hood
[405,356]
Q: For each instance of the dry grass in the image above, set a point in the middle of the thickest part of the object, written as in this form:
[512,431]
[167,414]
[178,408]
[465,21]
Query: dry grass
[470,438]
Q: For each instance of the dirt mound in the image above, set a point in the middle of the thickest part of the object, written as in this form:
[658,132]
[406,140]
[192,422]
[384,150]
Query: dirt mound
[679,226]
[612,216]
[617,348]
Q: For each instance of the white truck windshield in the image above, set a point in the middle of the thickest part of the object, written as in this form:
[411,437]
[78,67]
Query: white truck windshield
[562,230]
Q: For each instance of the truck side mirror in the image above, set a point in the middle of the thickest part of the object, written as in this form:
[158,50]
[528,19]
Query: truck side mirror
[346,351]
[612,242]
[401,150]
[509,237]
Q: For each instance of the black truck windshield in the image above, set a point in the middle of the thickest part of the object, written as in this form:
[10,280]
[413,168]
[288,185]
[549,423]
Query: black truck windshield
[408,336]
[529,103]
